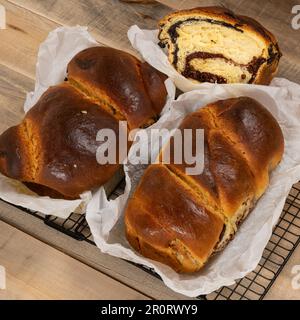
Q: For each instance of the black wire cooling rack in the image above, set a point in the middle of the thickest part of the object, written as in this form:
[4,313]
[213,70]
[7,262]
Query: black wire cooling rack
[284,240]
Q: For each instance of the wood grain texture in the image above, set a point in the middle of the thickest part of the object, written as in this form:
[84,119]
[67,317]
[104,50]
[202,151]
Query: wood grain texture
[13,87]
[116,268]
[108,21]
[21,55]
[30,21]
[282,288]
[36,271]
[275,15]
[21,39]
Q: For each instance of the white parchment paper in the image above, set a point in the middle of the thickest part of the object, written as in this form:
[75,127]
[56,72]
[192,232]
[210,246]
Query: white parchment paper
[146,43]
[53,56]
[242,255]
[61,45]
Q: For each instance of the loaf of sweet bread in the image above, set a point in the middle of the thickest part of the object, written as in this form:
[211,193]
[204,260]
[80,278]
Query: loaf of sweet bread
[212,44]
[180,219]
[53,150]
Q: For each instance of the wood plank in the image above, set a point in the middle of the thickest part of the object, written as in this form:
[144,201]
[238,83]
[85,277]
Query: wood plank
[188,4]
[21,39]
[12,93]
[13,88]
[12,98]
[282,288]
[37,271]
[274,15]
[21,55]
[108,21]
[89,254]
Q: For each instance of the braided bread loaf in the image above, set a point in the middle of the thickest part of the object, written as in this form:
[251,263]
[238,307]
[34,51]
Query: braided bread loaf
[53,150]
[182,220]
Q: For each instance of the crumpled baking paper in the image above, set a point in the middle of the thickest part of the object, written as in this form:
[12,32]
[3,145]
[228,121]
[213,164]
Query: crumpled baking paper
[2,278]
[243,253]
[61,45]
[146,43]
[53,56]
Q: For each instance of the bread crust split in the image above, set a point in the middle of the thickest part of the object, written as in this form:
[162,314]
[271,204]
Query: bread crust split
[53,150]
[213,44]
[183,220]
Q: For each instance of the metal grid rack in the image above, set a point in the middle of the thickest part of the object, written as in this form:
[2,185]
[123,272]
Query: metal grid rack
[284,240]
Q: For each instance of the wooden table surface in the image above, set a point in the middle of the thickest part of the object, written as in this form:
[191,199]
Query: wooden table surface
[40,262]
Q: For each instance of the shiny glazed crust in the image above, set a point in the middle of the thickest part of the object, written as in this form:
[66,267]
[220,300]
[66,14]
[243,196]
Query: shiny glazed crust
[132,90]
[53,150]
[182,220]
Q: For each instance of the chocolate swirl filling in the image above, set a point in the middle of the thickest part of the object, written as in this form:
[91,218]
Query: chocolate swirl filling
[174,35]
[189,72]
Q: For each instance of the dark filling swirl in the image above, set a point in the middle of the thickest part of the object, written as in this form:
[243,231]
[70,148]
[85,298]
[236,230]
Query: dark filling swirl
[189,72]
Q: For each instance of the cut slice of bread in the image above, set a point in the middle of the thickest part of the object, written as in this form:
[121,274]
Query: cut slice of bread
[212,44]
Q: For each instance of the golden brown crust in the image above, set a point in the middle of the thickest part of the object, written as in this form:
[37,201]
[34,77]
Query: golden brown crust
[53,150]
[62,142]
[159,216]
[268,69]
[255,133]
[133,89]
[11,146]
[226,15]
[236,126]
[267,72]
[243,143]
